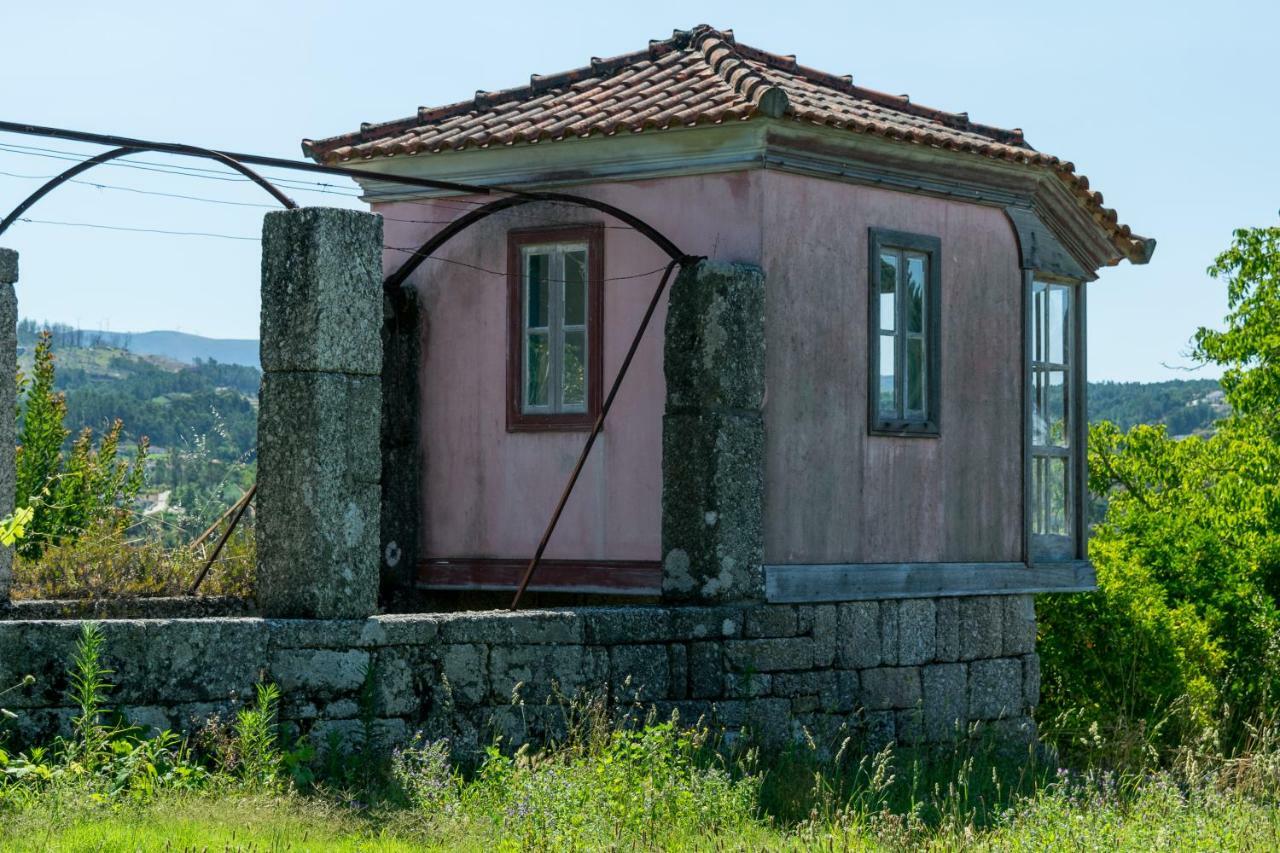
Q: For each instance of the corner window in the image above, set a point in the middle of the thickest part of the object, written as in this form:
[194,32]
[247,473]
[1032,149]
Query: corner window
[556,311]
[1055,411]
[904,334]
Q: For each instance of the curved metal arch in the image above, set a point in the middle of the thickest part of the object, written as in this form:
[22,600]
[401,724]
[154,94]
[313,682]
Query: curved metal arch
[444,235]
[85,165]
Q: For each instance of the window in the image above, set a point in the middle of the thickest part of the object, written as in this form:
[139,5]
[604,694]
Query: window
[555,303]
[1055,421]
[904,339]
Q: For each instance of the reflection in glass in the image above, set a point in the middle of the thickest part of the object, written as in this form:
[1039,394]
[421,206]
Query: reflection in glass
[915,292]
[575,369]
[915,376]
[575,288]
[888,393]
[538,370]
[888,291]
[539,292]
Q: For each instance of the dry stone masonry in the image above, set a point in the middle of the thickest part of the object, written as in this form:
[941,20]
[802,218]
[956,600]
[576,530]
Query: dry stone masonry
[8,401]
[918,670]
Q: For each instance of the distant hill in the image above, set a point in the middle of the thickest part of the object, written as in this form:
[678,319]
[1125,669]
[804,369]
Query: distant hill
[1184,406]
[176,346]
[184,347]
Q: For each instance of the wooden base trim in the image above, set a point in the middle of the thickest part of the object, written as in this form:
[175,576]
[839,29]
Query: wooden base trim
[606,577]
[796,584]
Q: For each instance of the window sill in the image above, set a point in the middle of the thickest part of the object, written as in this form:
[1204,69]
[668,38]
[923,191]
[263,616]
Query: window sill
[552,423]
[905,429]
[803,584]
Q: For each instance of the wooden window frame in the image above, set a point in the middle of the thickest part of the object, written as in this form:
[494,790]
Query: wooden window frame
[518,420]
[930,426]
[1053,548]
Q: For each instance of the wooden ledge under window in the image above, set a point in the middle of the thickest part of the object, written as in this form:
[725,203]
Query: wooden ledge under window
[799,584]
[604,577]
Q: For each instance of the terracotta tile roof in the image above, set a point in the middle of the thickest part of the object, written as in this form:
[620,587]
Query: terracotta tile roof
[697,77]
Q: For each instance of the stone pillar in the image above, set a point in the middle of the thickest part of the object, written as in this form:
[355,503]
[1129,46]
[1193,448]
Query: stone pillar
[319,459]
[8,402]
[713,435]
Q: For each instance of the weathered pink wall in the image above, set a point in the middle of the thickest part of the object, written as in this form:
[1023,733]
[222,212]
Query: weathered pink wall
[489,493]
[834,494]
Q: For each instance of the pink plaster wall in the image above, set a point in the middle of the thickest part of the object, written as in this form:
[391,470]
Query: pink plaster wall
[835,494]
[489,493]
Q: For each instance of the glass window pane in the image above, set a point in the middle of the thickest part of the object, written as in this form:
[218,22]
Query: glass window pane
[1055,395]
[537,291]
[888,361]
[537,369]
[888,290]
[575,288]
[916,276]
[1057,325]
[575,369]
[1050,490]
[915,376]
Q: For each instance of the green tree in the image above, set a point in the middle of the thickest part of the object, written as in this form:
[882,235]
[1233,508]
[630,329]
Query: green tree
[1183,634]
[68,490]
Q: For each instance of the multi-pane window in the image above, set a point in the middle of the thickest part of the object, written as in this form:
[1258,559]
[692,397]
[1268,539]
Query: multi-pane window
[555,300]
[1054,413]
[555,328]
[904,331]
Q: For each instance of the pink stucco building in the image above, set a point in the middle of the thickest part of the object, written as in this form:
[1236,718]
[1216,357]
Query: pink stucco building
[923,355]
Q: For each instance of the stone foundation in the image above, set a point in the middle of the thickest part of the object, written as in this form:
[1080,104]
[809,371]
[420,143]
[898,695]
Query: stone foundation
[911,670]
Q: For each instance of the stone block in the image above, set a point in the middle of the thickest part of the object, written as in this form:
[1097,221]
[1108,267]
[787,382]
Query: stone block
[947,613]
[320,672]
[639,673]
[824,630]
[859,635]
[678,664]
[8,266]
[879,730]
[909,726]
[398,684]
[748,685]
[769,655]
[608,625]
[770,620]
[769,721]
[464,667]
[980,627]
[400,629]
[890,687]
[322,305]
[917,631]
[706,623]
[706,670]
[524,628]
[8,403]
[712,506]
[945,695]
[889,632]
[715,338]
[1031,680]
[151,719]
[1019,627]
[995,689]
[538,673]
[318,495]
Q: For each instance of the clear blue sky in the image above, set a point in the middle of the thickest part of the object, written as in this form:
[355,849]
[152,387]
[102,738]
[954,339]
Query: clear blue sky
[1172,115]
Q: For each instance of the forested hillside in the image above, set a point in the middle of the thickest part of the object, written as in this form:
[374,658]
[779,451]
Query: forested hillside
[201,420]
[1184,406]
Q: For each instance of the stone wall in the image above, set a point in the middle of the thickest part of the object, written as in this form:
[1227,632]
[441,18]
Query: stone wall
[909,670]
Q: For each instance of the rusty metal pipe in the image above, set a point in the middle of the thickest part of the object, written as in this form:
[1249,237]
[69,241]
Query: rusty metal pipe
[595,430]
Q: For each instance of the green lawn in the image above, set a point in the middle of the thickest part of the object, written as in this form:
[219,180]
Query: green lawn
[1160,819]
